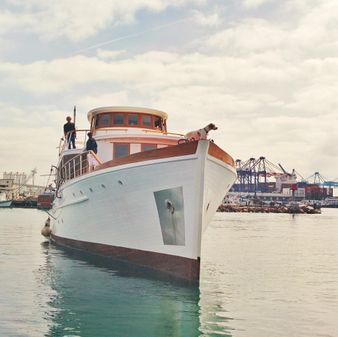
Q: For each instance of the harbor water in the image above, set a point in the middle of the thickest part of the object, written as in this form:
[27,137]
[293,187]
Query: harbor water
[262,275]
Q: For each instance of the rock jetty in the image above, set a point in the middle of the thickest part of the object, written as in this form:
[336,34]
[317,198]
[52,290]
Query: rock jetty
[292,209]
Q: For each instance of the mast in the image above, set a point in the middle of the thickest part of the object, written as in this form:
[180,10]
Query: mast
[74,114]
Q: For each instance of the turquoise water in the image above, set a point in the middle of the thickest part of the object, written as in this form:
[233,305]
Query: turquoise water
[262,275]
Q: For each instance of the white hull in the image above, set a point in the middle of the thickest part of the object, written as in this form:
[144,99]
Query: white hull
[158,206]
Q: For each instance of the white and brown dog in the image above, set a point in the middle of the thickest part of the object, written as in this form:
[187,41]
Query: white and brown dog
[201,133]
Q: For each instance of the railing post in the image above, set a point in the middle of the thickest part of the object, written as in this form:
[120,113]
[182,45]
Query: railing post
[81,165]
[69,175]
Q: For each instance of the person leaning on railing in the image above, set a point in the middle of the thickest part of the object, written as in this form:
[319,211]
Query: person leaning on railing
[70,132]
[91,145]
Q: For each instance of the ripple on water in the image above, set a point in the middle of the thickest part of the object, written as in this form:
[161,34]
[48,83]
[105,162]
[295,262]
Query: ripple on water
[262,275]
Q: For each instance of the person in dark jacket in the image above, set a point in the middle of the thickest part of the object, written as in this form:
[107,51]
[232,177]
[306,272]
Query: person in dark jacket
[70,132]
[91,144]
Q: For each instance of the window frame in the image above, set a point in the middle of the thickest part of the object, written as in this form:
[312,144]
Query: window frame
[143,145]
[118,113]
[137,119]
[97,120]
[115,148]
[151,121]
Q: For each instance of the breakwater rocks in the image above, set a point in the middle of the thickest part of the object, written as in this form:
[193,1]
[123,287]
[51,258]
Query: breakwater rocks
[292,209]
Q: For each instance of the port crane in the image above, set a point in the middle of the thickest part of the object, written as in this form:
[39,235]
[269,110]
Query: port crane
[318,179]
[253,174]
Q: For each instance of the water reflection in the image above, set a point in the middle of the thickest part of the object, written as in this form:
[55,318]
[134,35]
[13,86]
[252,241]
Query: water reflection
[262,275]
[89,297]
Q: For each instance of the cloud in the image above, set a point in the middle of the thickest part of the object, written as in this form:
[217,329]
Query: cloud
[109,54]
[120,98]
[250,4]
[151,70]
[235,39]
[204,19]
[79,19]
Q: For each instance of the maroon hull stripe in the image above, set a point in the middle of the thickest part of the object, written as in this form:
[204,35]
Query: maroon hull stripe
[176,266]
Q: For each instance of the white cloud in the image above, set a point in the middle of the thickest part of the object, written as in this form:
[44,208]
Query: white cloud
[77,19]
[204,19]
[119,98]
[254,3]
[249,36]
[110,54]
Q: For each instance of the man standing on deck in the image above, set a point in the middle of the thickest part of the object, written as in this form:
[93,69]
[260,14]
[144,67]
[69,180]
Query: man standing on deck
[70,133]
[91,145]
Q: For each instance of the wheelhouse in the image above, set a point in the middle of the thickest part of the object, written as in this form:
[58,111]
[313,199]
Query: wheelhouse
[122,131]
[117,117]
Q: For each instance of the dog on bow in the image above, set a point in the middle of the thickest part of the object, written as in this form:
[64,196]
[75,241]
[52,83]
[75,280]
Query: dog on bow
[201,133]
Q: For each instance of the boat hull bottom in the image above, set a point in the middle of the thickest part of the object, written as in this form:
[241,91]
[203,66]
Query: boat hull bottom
[163,265]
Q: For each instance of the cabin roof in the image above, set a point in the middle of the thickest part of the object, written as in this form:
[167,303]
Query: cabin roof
[148,111]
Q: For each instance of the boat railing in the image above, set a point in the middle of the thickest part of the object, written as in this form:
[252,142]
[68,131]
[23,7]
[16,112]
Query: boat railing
[164,132]
[109,130]
[77,166]
[80,141]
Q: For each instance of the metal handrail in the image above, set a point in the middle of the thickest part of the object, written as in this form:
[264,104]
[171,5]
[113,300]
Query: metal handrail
[76,167]
[64,140]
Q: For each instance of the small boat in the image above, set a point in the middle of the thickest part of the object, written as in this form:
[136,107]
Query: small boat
[4,201]
[45,200]
[146,197]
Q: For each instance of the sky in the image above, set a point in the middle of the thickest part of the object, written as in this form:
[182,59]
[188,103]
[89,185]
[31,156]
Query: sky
[264,71]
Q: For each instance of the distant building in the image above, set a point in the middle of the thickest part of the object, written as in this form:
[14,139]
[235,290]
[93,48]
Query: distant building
[7,187]
[15,185]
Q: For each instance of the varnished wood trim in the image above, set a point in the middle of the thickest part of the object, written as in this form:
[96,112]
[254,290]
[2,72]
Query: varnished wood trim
[140,140]
[219,154]
[175,266]
[166,152]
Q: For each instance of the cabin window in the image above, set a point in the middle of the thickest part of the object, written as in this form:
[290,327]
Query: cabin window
[118,119]
[148,147]
[121,150]
[132,119]
[103,120]
[158,123]
[146,121]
